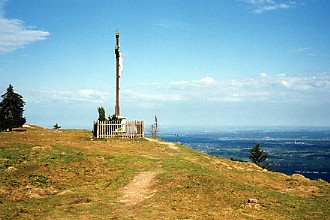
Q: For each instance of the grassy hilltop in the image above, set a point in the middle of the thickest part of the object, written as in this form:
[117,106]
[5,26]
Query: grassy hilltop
[66,174]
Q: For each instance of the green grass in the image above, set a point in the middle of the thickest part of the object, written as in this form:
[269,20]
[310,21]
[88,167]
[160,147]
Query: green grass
[48,174]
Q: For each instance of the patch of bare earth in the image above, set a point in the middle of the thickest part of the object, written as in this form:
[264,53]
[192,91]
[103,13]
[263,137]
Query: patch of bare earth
[170,145]
[138,190]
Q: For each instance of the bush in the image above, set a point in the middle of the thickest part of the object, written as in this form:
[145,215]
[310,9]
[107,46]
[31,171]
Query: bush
[57,126]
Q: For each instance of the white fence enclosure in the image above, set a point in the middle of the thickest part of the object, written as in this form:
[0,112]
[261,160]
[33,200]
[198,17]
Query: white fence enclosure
[123,128]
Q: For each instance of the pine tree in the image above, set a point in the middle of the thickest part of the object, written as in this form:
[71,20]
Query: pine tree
[101,114]
[11,110]
[258,156]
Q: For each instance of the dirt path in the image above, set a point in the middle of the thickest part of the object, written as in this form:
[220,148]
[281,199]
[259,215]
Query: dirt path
[138,190]
[169,144]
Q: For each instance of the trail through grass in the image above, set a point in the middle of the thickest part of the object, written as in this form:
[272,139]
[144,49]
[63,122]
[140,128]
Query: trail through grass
[67,174]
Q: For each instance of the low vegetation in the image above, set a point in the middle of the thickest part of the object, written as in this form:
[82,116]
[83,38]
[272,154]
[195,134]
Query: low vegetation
[67,174]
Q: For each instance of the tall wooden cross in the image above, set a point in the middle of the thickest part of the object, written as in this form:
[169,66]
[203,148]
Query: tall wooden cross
[118,70]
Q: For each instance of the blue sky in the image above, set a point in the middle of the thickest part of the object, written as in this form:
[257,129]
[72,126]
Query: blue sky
[190,62]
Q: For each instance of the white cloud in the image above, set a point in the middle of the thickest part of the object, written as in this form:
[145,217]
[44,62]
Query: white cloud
[262,88]
[206,80]
[261,6]
[307,51]
[301,50]
[152,94]
[90,95]
[14,34]
[85,95]
[265,87]
[180,83]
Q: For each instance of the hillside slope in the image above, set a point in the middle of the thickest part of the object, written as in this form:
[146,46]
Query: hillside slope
[50,174]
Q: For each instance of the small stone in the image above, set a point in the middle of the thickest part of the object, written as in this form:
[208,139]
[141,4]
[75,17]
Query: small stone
[252,201]
[12,168]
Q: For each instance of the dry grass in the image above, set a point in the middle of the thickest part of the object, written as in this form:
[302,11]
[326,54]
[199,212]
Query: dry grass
[66,174]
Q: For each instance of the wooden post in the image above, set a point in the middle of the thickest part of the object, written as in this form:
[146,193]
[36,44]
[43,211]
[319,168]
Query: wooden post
[142,129]
[117,52]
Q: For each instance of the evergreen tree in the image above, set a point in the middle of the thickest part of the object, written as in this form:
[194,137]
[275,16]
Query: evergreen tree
[11,110]
[258,156]
[101,114]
